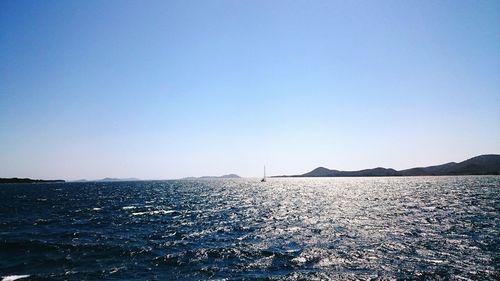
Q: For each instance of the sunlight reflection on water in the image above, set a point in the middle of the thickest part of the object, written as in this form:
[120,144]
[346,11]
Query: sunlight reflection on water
[291,229]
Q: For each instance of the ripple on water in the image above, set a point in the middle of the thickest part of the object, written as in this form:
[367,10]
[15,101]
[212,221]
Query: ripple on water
[286,229]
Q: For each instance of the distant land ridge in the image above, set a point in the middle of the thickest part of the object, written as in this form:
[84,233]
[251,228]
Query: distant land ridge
[488,164]
[26,180]
[229,176]
[108,180]
[117,179]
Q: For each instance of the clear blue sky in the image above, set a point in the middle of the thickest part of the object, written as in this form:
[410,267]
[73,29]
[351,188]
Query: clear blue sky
[167,89]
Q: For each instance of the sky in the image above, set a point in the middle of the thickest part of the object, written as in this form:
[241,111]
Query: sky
[169,89]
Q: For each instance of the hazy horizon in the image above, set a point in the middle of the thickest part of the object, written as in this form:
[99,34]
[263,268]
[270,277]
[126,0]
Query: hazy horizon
[163,90]
[238,174]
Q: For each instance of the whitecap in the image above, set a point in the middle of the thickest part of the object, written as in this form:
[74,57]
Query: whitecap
[299,259]
[128,207]
[163,212]
[14,277]
[155,212]
[96,209]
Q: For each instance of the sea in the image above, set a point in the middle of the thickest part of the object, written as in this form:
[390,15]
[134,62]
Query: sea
[387,228]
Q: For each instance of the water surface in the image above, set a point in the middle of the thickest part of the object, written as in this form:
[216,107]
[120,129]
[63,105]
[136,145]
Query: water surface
[415,228]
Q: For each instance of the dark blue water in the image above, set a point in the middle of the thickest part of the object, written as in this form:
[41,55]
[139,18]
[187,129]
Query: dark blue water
[419,228]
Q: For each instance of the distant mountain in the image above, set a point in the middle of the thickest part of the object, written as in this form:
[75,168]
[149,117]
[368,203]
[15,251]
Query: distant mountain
[80,180]
[117,179]
[480,165]
[376,172]
[230,176]
[27,180]
[107,180]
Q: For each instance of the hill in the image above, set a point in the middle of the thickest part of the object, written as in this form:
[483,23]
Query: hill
[480,165]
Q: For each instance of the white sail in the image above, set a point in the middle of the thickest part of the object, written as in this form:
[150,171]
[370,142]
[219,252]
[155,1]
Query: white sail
[264,178]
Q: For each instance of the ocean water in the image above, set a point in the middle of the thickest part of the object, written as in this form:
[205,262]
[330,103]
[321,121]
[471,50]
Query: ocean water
[415,228]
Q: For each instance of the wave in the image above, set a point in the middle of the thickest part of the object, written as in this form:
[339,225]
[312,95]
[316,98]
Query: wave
[14,277]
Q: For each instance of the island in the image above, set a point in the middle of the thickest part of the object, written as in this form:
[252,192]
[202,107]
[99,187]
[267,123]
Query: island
[108,180]
[229,176]
[27,180]
[488,164]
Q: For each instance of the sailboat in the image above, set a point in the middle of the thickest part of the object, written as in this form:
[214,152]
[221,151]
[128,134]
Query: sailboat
[264,178]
